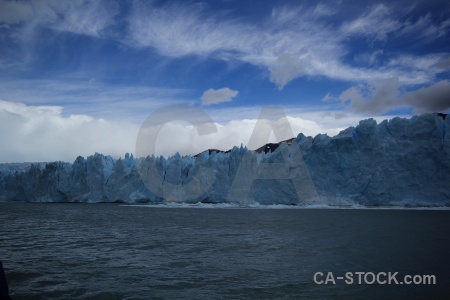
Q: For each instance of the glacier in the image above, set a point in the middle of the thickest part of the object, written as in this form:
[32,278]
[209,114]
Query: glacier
[398,162]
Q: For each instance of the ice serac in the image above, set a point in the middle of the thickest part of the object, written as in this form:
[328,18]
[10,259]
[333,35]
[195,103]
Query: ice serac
[402,162]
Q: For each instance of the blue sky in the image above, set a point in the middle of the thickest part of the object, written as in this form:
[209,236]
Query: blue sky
[78,77]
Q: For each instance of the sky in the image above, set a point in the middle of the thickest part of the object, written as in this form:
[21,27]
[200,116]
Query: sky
[79,77]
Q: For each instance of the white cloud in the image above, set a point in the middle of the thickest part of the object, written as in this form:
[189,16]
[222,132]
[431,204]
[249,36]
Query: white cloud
[42,133]
[284,69]
[183,138]
[213,96]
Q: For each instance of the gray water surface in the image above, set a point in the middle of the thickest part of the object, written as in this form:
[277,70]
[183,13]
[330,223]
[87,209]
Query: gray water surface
[109,251]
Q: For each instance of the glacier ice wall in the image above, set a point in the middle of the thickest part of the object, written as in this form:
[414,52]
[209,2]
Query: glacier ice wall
[397,162]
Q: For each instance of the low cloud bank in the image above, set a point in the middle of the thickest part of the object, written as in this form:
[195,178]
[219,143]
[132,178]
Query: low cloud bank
[43,133]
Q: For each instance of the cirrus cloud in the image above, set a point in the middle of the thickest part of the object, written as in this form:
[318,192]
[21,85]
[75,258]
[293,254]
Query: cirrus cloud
[291,42]
[287,43]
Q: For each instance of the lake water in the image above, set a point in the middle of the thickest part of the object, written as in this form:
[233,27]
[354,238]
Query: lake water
[110,251]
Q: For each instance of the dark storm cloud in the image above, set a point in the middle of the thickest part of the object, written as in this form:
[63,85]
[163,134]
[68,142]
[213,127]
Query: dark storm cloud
[442,64]
[435,98]
[381,96]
